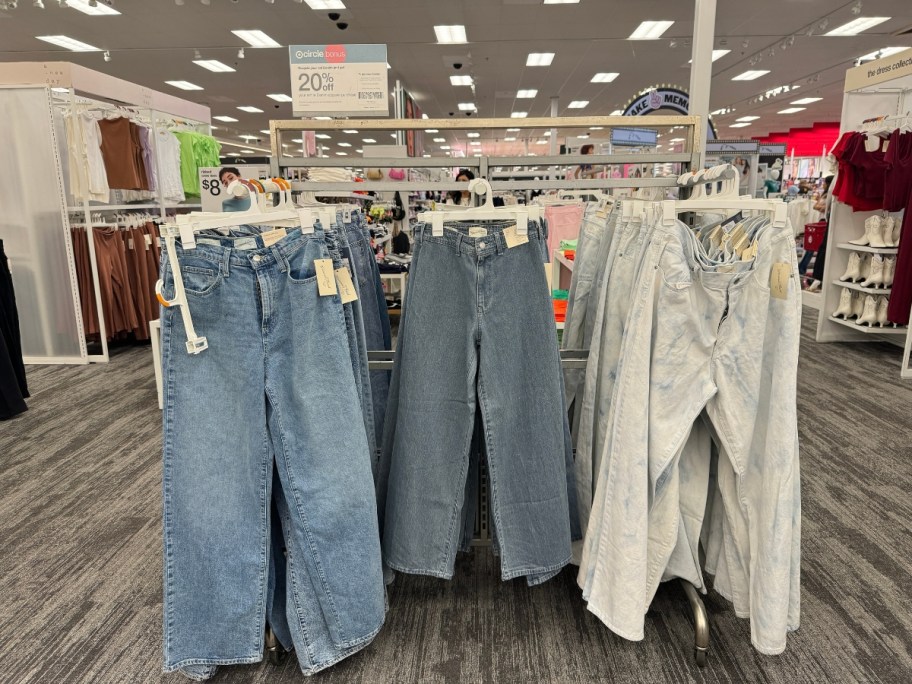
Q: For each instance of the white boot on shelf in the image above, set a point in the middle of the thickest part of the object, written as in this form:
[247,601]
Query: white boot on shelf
[897,227]
[865,239]
[869,314]
[858,300]
[882,306]
[865,269]
[853,272]
[889,271]
[844,310]
[875,239]
[876,277]
[886,231]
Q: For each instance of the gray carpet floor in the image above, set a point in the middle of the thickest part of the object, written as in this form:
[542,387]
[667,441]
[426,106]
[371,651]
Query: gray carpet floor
[80,548]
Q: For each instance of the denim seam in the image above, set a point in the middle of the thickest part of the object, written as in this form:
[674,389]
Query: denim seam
[307,533]
[532,570]
[213,661]
[168,413]
[400,567]
[346,652]
[452,547]
[295,596]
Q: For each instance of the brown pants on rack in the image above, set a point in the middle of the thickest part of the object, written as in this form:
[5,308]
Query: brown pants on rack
[110,251]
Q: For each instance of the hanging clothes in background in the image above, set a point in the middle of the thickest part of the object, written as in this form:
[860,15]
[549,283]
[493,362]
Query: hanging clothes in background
[88,179]
[122,154]
[564,222]
[127,257]
[168,151]
[13,385]
[898,197]
[196,150]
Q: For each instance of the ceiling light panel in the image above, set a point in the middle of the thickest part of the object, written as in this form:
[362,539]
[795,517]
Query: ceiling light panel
[321,136]
[747,118]
[739,125]
[430,130]
[512,130]
[213,65]
[880,54]
[344,144]
[460,80]
[856,26]
[439,140]
[519,115]
[650,30]
[68,43]
[510,139]
[562,2]
[526,94]
[251,110]
[792,110]
[717,54]
[325,4]
[539,59]
[473,135]
[467,107]
[226,119]
[99,9]
[452,34]
[751,75]
[605,77]
[184,85]
[256,38]
[369,140]
[280,97]
[350,131]
[578,104]
[806,100]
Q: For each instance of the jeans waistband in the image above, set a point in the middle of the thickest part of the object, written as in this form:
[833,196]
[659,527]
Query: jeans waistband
[248,251]
[458,235]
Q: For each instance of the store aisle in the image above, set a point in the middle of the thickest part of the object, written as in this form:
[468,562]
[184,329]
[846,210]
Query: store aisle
[80,561]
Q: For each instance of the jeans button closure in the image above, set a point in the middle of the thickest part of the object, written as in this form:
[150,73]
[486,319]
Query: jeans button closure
[481,244]
[257,257]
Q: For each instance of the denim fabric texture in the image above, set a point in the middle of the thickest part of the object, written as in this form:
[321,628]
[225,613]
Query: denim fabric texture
[709,355]
[477,333]
[273,399]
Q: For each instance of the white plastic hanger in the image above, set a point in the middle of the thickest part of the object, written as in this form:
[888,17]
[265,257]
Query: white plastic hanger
[486,212]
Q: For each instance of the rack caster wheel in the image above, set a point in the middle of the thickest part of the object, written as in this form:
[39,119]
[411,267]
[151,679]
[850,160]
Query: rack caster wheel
[275,652]
[700,657]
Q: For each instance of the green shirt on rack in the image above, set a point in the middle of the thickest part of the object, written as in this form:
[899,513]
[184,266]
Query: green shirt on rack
[196,150]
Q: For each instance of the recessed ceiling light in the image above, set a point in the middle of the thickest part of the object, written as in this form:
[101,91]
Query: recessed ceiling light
[717,54]
[299,140]
[393,136]
[430,130]
[321,136]
[369,140]
[247,152]
[510,139]
[322,118]
[280,97]
[519,115]
[250,110]
[526,94]
[880,54]
[650,30]
[93,10]
[751,75]
[466,106]
[359,151]
[792,110]
[461,80]
[739,125]
[213,65]
[806,100]
[60,90]
[539,59]
[351,131]
[68,43]
[450,34]
[541,142]
[444,147]
[439,140]
[747,118]
[342,154]
[325,4]
[578,104]
[605,77]
[596,128]
[184,85]
[344,144]
[475,142]
[674,140]
[617,112]
[226,119]
[513,130]
[256,38]
[473,135]
[857,26]
[561,2]
[265,132]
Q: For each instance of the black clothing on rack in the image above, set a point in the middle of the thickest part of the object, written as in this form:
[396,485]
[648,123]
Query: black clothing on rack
[13,386]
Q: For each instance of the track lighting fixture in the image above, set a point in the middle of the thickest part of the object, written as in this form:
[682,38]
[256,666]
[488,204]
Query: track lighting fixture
[107,55]
[241,53]
[856,8]
[197,55]
[39,4]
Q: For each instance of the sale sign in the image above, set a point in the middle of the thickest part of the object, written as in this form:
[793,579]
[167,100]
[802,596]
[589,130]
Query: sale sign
[339,80]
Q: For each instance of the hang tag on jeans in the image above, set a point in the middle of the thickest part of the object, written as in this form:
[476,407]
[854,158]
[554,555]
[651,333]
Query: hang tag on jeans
[347,214]
[272,236]
[326,281]
[779,280]
[346,286]
[514,239]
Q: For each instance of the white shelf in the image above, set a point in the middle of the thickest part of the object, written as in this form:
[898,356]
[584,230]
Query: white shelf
[812,299]
[869,250]
[869,331]
[564,261]
[866,290]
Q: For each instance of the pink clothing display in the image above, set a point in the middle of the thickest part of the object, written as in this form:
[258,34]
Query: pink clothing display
[564,223]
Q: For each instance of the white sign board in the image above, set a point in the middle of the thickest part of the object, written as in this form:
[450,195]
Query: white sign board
[339,80]
[878,71]
[214,181]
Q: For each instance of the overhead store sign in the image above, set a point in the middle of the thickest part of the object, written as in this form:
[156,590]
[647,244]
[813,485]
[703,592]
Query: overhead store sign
[880,70]
[339,80]
[659,98]
[645,137]
[773,148]
[721,146]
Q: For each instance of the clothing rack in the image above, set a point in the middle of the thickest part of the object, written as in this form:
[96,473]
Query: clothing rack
[484,167]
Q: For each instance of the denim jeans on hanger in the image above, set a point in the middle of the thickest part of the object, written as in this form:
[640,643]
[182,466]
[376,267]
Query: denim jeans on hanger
[478,330]
[274,393]
[713,340]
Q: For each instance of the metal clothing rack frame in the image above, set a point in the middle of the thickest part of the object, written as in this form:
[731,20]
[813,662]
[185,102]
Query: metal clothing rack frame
[485,167]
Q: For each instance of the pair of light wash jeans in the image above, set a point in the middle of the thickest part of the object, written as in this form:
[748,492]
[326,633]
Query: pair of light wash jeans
[709,353]
[273,399]
[477,338]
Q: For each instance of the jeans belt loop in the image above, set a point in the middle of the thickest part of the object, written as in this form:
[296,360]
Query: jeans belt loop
[458,244]
[226,260]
